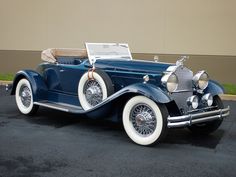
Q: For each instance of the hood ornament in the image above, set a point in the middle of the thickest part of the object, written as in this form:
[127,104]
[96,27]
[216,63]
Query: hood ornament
[181,60]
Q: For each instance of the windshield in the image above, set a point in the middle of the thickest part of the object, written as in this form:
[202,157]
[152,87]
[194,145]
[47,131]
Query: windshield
[107,51]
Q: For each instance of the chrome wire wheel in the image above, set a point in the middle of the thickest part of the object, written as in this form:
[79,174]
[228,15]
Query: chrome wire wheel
[25,95]
[24,98]
[93,92]
[143,119]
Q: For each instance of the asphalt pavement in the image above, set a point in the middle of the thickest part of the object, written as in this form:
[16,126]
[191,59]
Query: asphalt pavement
[58,144]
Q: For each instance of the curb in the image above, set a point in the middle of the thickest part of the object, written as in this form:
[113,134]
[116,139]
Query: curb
[228,97]
[223,96]
[5,82]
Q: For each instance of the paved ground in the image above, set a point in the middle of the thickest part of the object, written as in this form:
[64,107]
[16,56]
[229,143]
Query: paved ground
[63,145]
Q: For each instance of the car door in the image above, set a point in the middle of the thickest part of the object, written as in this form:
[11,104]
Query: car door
[69,76]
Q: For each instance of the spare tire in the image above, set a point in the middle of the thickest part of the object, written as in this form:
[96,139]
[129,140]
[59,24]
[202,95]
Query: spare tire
[94,87]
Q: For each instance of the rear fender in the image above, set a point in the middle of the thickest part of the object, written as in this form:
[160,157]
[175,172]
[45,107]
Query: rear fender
[37,83]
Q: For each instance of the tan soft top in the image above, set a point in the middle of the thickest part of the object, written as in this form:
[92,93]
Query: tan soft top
[50,55]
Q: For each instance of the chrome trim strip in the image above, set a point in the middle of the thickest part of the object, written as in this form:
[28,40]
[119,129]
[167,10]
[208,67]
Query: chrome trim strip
[151,61]
[51,106]
[187,120]
[180,91]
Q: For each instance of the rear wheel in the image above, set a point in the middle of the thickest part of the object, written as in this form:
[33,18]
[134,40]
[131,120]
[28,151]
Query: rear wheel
[208,127]
[24,98]
[144,121]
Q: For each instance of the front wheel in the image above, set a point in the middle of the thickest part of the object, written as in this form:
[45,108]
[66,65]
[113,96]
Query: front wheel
[208,127]
[24,98]
[144,121]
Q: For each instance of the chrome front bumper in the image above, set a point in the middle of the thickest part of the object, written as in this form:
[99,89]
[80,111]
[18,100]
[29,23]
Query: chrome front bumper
[189,119]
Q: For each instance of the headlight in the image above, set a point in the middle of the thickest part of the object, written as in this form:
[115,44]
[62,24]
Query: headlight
[207,99]
[201,79]
[170,81]
[193,101]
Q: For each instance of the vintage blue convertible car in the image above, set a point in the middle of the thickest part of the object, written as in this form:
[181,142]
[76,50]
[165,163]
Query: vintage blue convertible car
[103,81]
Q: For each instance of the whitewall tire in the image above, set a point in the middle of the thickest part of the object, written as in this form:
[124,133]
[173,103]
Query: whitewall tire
[144,121]
[24,98]
[93,88]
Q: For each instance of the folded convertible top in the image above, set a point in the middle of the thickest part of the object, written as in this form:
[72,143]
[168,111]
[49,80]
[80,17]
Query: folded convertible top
[50,55]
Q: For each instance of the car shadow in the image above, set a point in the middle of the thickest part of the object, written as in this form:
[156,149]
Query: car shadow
[53,118]
[184,136]
[58,119]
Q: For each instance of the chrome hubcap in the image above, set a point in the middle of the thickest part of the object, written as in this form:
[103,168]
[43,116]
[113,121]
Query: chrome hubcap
[25,95]
[93,92]
[143,119]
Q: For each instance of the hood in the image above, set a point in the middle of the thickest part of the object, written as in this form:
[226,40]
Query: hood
[141,66]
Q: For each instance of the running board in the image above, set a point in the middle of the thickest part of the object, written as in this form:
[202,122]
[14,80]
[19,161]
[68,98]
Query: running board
[61,106]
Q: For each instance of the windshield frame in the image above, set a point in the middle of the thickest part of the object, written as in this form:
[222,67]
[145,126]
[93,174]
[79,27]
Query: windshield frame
[98,51]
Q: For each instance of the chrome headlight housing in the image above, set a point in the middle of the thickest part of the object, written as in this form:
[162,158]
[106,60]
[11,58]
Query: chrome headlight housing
[201,80]
[207,99]
[193,101]
[170,81]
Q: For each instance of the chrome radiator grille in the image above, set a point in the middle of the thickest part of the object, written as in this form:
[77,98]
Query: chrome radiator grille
[184,89]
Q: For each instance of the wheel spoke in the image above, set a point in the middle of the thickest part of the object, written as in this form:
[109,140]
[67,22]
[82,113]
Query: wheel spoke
[143,119]
[93,92]
[25,95]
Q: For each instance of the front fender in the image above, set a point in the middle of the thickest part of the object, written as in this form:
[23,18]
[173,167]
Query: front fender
[149,90]
[37,83]
[119,98]
[214,88]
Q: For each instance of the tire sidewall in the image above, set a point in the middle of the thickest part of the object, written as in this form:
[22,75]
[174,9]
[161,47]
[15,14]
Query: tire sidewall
[131,132]
[23,109]
[83,101]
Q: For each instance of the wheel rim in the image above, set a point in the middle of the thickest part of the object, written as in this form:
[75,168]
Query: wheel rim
[143,119]
[93,92]
[25,95]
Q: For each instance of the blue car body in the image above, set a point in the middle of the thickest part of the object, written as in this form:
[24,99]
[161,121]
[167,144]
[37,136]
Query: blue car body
[147,96]
[58,83]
